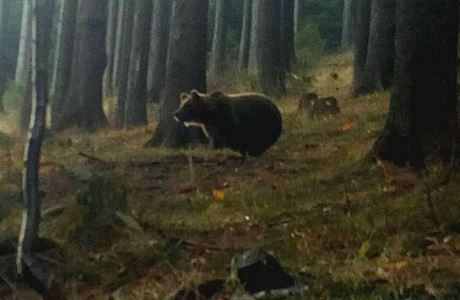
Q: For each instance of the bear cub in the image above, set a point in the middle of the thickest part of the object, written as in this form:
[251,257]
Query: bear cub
[249,123]
[316,106]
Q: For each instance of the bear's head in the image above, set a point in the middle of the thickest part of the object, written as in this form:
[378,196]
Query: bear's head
[197,108]
[192,108]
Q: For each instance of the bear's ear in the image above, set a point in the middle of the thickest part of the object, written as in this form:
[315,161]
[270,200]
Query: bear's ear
[195,94]
[184,97]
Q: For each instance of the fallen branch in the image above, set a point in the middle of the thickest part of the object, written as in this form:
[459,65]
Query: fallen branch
[53,211]
[94,158]
[146,164]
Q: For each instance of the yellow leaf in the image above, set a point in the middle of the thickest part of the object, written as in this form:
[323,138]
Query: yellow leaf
[349,126]
[218,194]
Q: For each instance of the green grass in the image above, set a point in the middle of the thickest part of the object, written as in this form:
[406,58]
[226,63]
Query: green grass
[343,227]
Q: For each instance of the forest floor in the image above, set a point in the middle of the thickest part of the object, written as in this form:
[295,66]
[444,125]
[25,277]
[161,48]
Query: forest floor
[345,228]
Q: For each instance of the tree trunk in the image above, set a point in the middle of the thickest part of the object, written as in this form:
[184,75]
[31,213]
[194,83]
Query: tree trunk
[253,44]
[298,15]
[159,48]
[380,51]
[243,58]
[362,37]
[26,105]
[22,66]
[127,37]
[117,58]
[349,20]
[111,40]
[65,53]
[287,34]
[267,46]
[10,23]
[54,47]
[186,70]
[2,54]
[136,104]
[41,31]
[24,71]
[57,32]
[92,59]
[219,41]
[422,117]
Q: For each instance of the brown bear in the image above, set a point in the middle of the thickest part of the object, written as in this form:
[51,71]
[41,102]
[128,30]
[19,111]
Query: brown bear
[316,106]
[249,123]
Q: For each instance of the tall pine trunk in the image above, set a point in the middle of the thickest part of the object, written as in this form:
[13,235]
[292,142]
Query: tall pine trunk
[2,54]
[219,40]
[268,62]
[126,40]
[361,44]
[65,53]
[159,48]
[287,34]
[92,60]
[136,104]
[243,58]
[122,7]
[349,22]
[10,26]
[298,15]
[422,117]
[380,51]
[23,60]
[111,40]
[186,70]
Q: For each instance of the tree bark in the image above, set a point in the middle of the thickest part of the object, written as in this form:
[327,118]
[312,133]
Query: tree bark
[92,59]
[422,118]
[298,15]
[380,51]
[362,38]
[65,53]
[245,41]
[186,70]
[111,41]
[41,31]
[349,22]
[219,40]
[159,48]
[252,62]
[127,37]
[24,71]
[57,32]
[287,34]
[2,54]
[23,60]
[117,58]
[10,16]
[136,104]
[267,37]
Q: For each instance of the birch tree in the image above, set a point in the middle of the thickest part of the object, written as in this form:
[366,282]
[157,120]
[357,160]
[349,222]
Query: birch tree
[27,261]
